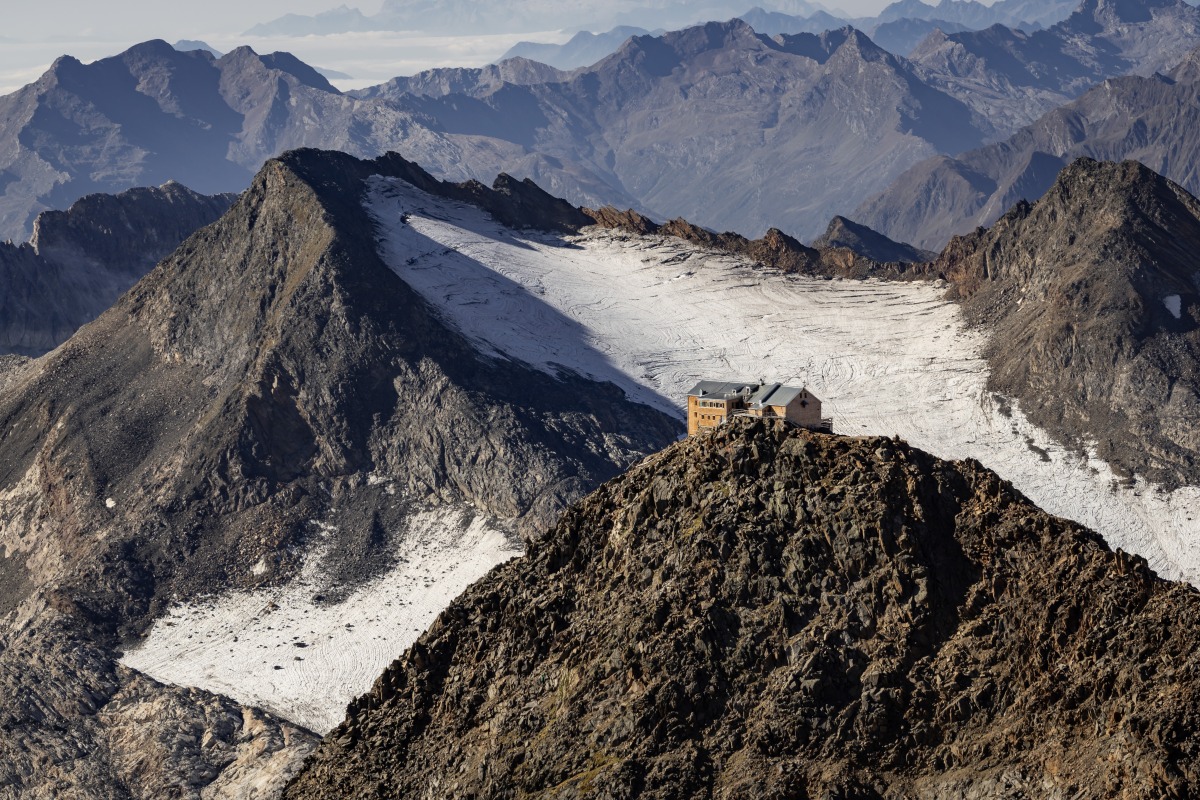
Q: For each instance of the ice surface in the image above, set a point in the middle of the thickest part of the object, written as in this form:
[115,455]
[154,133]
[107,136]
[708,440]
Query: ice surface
[305,659]
[654,315]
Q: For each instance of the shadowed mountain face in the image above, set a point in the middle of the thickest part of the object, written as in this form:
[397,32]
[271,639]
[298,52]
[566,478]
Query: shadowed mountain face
[1092,300]
[1153,120]
[1009,78]
[658,125]
[763,612]
[154,114]
[270,375]
[79,261]
[738,131]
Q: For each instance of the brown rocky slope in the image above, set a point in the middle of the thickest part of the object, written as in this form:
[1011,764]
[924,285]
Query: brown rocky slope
[1091,298]
[766,613]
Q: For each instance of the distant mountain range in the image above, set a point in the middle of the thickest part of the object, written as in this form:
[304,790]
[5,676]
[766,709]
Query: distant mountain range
[1010,78]
[1153,120]
[718,123]
[582,50]
[899,28]
[482,16]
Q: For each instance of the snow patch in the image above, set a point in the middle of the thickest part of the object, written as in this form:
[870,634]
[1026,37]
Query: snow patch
[1174,304]
[287,650]
[110,503]
[654,314]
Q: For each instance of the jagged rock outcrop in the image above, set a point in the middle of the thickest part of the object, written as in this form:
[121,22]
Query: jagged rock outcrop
[1091,298]
[851,235]
[768,612]
[776,249]
[271,374]
[1149,119]
[79,261]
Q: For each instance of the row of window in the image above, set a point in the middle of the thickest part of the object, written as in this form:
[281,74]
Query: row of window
[711,404]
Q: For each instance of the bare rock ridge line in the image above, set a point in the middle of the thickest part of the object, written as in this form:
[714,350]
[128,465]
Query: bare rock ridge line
[763,611]
[779,251]
[80,260]
[1092,300]
[270,379]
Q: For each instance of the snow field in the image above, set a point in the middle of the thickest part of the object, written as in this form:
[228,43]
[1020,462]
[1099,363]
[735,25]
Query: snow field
[283,650]
[654,315]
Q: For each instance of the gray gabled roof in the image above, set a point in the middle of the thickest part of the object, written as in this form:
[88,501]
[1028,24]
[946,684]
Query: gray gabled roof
[782,395]
[754,393]
[722,389]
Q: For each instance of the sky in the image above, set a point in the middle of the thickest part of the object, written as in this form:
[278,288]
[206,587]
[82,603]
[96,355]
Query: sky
[35,33]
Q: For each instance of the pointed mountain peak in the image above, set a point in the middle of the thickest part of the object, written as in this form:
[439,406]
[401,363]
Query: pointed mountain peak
[851,40]
[151,48]
[690,42]
[1093,283]
[848,234]
[1135,189]
[245,58]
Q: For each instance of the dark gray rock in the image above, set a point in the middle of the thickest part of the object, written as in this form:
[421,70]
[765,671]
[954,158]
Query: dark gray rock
[81,260]
[849,234]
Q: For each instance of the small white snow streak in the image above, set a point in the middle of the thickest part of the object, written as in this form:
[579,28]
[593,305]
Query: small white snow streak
[232,645]
[1174,304]
[654,315]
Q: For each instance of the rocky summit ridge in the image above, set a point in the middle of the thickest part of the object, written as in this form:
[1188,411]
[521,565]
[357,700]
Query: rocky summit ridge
[271,374]
[768,612]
